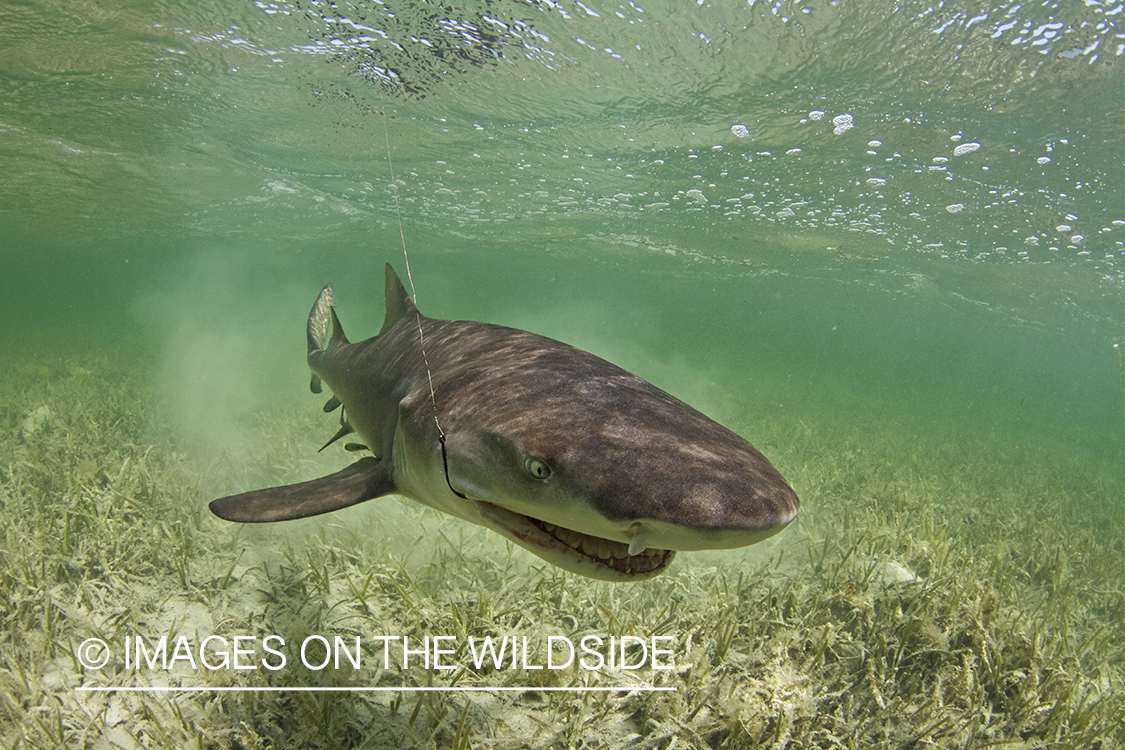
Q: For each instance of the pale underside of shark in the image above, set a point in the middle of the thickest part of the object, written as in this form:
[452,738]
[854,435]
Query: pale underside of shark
[567,455]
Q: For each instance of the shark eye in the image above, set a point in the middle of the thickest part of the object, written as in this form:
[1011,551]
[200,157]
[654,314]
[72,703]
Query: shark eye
[537,468]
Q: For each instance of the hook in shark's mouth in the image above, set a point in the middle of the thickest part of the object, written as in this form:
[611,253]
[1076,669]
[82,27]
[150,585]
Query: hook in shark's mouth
[575,551]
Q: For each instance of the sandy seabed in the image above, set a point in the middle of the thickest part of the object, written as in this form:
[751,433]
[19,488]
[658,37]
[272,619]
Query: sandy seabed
[941,588]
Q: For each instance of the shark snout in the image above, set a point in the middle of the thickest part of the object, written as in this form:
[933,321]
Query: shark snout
[651,533]
[722,497]
[704,516]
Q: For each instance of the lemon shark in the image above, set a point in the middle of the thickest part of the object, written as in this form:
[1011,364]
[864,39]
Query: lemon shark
[569,456]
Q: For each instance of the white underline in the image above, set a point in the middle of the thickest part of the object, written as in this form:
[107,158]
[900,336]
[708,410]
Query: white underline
[278,689]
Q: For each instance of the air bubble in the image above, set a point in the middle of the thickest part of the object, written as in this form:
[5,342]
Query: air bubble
[740,131]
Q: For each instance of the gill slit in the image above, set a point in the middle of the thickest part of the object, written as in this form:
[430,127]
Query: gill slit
[414,299]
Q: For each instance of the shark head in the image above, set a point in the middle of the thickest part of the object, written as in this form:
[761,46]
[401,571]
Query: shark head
[569,456]
[606,475]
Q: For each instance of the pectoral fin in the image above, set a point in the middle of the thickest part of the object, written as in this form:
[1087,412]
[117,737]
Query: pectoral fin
[365,479]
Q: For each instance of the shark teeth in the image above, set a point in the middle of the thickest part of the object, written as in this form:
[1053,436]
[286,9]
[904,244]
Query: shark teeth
[617,554]
[639,542]
[575,551]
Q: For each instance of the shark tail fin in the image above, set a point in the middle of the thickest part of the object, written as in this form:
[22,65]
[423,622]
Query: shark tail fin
[399,303]
[320,318]
[324,329]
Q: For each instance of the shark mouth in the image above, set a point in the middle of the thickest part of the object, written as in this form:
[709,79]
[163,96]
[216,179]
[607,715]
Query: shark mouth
[575,551]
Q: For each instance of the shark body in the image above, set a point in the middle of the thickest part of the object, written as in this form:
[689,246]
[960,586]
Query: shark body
[569,456]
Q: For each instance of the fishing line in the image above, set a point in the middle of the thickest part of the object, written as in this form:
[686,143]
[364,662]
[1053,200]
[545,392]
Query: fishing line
[398,211]
[414,296]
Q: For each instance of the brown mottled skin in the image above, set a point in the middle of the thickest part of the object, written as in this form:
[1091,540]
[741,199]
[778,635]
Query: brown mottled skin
[625,458]
[632,430]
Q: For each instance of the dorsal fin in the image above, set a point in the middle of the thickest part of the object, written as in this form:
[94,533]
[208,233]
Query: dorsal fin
[398,301]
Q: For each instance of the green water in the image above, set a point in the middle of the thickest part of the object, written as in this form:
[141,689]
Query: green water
[179,161]
[831,226]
